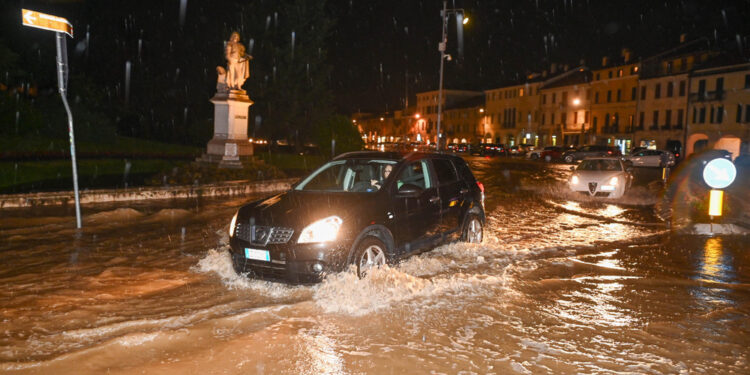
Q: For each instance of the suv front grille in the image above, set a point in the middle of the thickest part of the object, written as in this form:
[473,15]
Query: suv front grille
[263,235]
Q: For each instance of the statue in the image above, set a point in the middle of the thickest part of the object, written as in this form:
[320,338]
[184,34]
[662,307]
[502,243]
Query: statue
[238,66]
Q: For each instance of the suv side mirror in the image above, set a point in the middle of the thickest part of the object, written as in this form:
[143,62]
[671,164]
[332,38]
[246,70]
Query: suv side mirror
[409,191]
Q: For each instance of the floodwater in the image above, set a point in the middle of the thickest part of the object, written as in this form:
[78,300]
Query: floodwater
[560,285]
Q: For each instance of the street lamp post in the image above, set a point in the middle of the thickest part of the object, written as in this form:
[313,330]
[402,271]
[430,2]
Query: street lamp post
[441,47]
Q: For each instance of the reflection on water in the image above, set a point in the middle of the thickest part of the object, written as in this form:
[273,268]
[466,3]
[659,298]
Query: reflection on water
[715,265]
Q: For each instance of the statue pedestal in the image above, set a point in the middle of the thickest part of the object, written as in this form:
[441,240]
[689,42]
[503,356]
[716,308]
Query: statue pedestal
[230,142]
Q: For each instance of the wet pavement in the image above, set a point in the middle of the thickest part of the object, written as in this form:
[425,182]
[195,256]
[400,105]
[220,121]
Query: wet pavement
[562,284]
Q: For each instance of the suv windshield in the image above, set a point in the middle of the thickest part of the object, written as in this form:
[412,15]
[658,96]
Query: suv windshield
[353,175]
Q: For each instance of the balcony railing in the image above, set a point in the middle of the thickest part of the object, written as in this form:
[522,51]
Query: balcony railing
[707,96]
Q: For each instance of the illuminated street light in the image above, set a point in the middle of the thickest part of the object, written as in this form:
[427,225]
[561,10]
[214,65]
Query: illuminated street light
[416,115]
[576,101]
[481,110]
[466,20]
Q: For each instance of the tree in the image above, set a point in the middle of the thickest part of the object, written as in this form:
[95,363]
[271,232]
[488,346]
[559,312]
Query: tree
[290,72]
[340,129]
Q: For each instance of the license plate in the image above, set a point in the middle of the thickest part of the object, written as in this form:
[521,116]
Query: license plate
[256,254]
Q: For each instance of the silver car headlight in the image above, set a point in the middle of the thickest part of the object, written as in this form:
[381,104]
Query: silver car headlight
[574,180]
[233,224]
[613,181]
[323,230]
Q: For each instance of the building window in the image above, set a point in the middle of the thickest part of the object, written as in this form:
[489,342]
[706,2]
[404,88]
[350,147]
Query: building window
[670,89]
[575,117]
[720,114]
[695,115]
[668,118]
[595,123]
[657,91]
[606,121]
[619,95]
[702,115]
[702,89]
[565,98]
[598,77]
[642,120]
[643,92]
[655,124]
[586,116]
[719,85]
[542,119]
[680,115]
[747,81]
[633,92]
[711,117]
[564,118]
[544,99]
[747,113]
[554,97]
[610,74]
[596,97]
[619,73]
[682,88]
[552,118]
[609,96]
[739,110]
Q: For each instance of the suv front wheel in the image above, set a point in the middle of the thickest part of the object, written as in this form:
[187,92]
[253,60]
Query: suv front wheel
[370,254]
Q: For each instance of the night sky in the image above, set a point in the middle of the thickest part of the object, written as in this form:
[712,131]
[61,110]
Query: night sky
[379,50]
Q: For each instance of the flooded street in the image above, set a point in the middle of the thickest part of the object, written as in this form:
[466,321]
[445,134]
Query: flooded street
[560,285]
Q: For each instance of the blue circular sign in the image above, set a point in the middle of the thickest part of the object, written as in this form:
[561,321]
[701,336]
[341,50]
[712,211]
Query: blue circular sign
[719,173]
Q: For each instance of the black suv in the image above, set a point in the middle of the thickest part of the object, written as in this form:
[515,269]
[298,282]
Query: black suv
[364,209]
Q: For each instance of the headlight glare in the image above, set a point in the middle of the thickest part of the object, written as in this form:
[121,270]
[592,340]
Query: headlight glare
[232,224]
[323,230]
[574,180]
[613,181]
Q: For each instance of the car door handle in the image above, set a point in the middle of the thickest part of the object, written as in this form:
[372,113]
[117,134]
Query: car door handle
[434,199]
[464,191]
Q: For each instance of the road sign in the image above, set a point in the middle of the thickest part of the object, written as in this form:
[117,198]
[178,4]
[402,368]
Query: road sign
[719,173]
[46,21]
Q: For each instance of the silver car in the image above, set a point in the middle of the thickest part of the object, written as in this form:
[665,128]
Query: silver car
[652,158]
[601,177]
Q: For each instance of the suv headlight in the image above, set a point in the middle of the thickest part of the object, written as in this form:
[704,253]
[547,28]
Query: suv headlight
[232,224]
[323,230]
[574,180]
[613,181]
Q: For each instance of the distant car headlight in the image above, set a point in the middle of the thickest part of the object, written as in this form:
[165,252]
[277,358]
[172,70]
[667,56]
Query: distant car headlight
[613,181]
[574,180]
[323,230]
[233,224]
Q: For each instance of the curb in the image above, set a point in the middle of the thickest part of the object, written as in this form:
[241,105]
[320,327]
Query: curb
[226,189]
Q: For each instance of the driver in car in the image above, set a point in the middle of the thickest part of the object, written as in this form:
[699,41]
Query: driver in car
[386,172]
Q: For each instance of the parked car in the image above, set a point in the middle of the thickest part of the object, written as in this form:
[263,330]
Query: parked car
[547,154]
[652,158]
[462,147]
[601,177]
[520,150]
[365,209]
[590,151]
[489,149]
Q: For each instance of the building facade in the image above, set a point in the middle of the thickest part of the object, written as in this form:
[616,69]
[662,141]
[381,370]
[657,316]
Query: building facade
[613,105]
[512,114]
[719,109]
